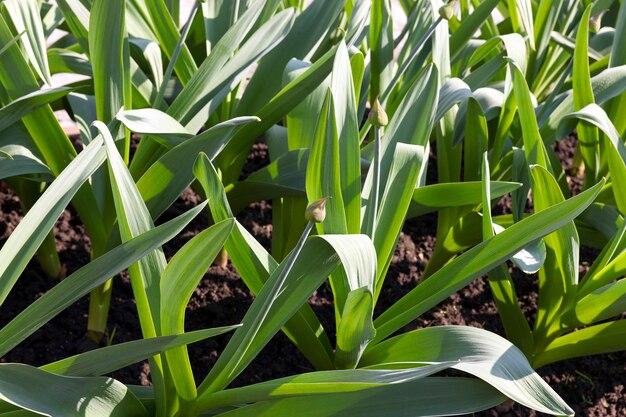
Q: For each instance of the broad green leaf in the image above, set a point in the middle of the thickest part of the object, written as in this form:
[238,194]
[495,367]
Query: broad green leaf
[33,228]
[255,265]
[343,89]
[480,353]
[149,54]
[583,95]
[18,160]
[424,397]
[606,85]
[87,278]
[179,280]
[356,328]
[165,28]
[402,179]
[111,358]
[25,16]
[308,30]
[381,47]
[479,260]
[593,340]
[22,106]
[531,257]
[163,182]
[611,145]
[222,70]
[469,26]
[450,194]
[502,286]
[323,178]
[233,157]
[533,144]
[559,276]
[108,52]
[601,304]
[59,396]
[404,127]
[282,295]
[53,144]
[154,122]
[134,219]
[618,57]
[302,120]
[325,382]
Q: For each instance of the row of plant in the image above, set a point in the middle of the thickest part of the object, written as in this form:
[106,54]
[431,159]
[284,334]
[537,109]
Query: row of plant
[491,85]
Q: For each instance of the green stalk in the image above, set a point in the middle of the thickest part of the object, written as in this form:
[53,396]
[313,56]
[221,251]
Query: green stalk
[378,118]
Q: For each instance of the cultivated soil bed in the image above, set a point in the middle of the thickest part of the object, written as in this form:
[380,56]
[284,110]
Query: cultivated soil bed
[592,386]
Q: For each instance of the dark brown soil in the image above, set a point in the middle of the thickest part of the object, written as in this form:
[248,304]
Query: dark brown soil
[593,386]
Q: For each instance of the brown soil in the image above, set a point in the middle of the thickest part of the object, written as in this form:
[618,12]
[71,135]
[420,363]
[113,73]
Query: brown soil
[593,386]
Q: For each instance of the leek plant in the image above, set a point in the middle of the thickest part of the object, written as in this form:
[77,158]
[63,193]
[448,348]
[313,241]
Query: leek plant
[123,48]
[162,289]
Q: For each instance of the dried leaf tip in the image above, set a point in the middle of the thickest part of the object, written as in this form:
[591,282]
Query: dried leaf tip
[377,115]
[316,211]
[447,10]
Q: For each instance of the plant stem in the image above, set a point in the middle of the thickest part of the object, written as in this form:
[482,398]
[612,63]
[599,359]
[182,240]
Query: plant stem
[376,186]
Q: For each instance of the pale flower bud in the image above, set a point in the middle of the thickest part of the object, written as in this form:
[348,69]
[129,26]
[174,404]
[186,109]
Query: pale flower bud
[377,115]
[447,10]
[595,22]
[316,211]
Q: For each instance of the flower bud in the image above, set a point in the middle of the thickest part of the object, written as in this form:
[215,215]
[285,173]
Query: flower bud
[316,211]
[447,10]
[377,115]
[595,22]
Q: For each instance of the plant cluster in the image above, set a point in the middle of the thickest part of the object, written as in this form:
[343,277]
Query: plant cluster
[349,112]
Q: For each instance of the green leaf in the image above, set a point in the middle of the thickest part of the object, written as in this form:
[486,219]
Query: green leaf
[611,146]
[22,106]
[31,231]
[407,163]
[479,260]
[111,358]
[217,74]
[356,328]
[283,294]
[559,276]
[255,265]
[87,278]
[326,382]
[583,95]
[25,17]
[533,144]
[381,47]
[469,26]
[18,160]
[234,155]
[480,353]
[59,396]
[108,51]
[179,280]
[593,340]
[309,28]
[163,182]
[455,194]
[426,397]
[284,177]
[154,122]
[342,85]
